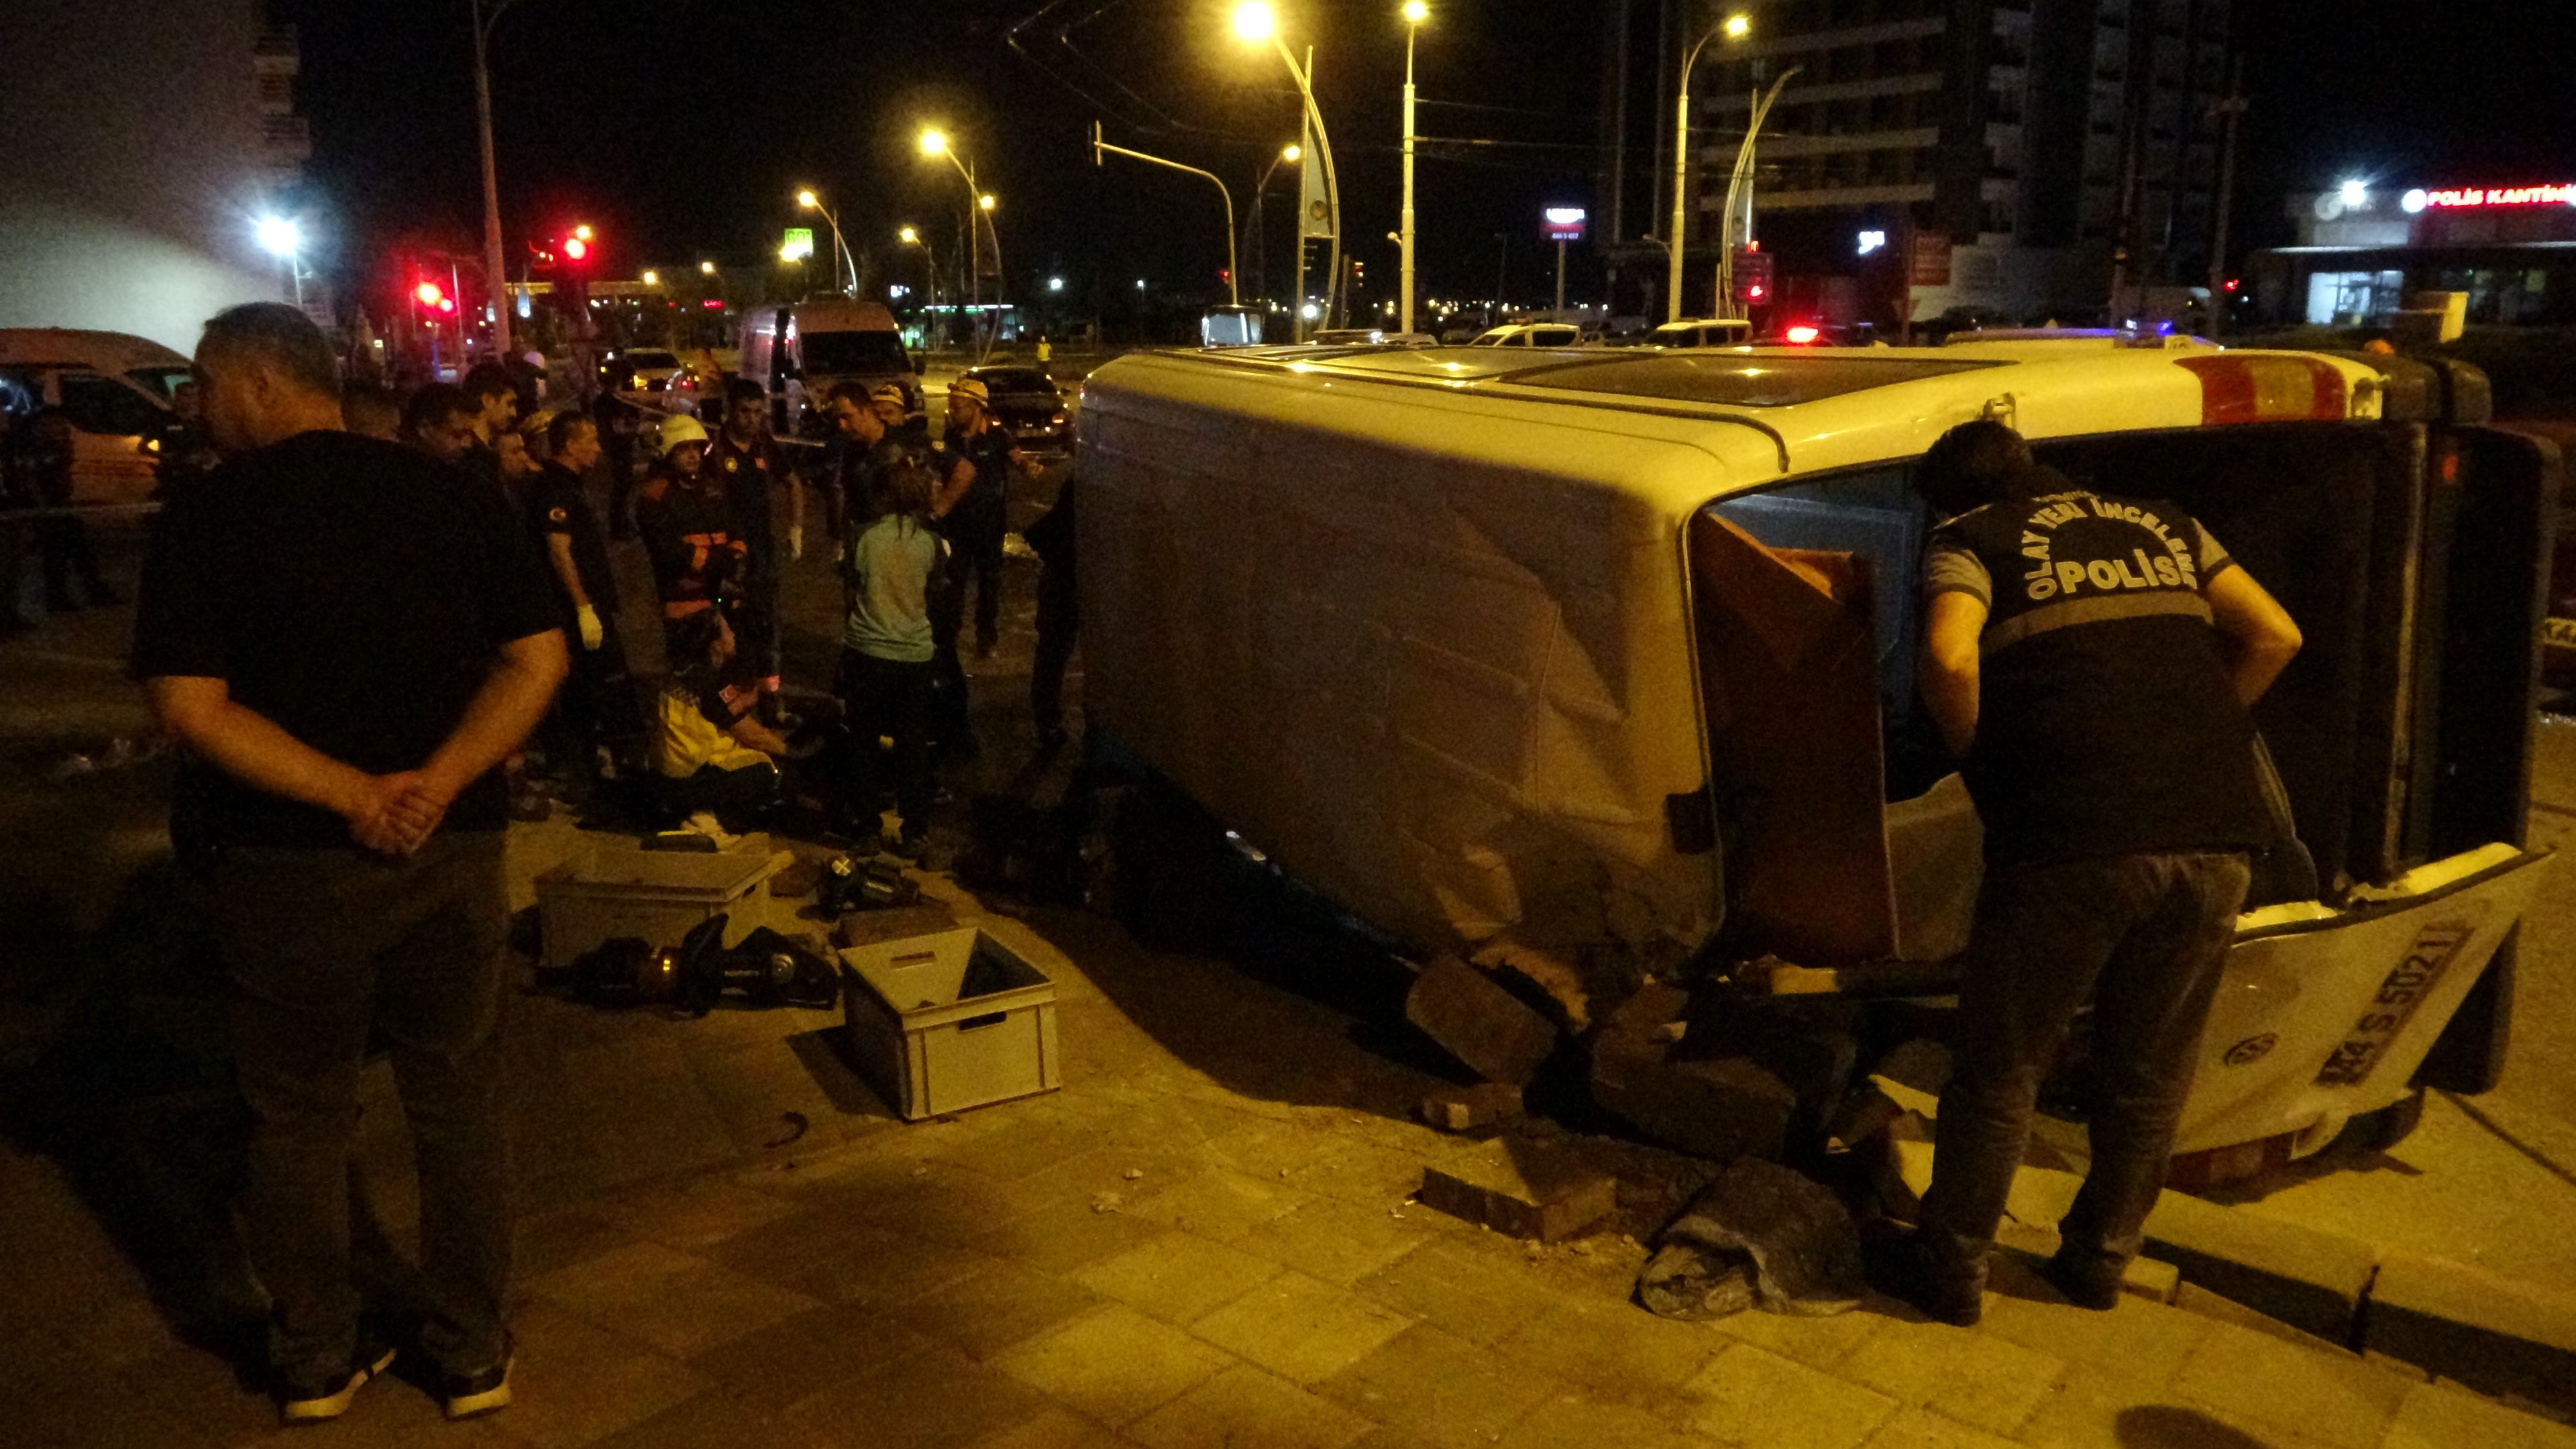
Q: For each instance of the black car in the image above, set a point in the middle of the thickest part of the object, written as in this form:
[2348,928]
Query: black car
[1025,400]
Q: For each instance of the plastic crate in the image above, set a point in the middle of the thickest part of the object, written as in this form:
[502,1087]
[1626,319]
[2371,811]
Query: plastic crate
[622,889]
[947,1021]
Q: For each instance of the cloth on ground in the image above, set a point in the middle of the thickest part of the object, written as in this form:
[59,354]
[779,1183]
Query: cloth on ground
[1759,1235]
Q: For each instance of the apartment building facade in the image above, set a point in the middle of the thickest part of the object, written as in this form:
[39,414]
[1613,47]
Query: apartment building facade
[2067,151]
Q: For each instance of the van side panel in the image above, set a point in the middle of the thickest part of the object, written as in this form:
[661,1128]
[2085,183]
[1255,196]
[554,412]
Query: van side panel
[1452,689]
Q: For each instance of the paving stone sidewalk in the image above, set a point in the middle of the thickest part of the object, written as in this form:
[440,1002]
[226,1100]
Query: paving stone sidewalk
[1205,1239]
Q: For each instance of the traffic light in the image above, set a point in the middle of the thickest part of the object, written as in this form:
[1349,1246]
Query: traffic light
[575,249]
[433,299]
[1752,275]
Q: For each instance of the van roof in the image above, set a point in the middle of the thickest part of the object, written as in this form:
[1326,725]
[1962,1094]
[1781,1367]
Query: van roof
[843,316]
[113,350]
[1769,412]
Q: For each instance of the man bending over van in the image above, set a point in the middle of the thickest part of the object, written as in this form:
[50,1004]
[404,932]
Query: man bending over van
[2090,659]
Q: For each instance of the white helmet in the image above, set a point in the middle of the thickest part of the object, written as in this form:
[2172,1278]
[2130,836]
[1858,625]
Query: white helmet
[680,428]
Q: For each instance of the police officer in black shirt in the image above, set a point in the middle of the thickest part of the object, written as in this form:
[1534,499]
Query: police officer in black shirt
[2090,659]
[597,710]
[347,643]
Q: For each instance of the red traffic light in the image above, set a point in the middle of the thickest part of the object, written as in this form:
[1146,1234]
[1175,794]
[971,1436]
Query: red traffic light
[429,293]
[575,248]
[2232,284]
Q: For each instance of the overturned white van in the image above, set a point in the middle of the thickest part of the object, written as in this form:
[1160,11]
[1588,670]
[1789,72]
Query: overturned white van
[1610,656]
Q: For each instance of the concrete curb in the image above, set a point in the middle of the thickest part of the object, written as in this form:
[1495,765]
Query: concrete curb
[2494,1335]
[2486,1333]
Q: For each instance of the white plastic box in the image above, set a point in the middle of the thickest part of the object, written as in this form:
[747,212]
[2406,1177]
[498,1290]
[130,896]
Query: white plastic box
[621,889]
[927,1048]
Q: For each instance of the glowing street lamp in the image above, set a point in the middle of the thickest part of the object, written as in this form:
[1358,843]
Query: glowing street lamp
[1254,22]
[911,237]
[652,278]
[1734,27]
[935,142]
[282,238]
[806,198]
[706,269]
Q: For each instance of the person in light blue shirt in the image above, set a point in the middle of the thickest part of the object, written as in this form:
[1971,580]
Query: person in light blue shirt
[887,568]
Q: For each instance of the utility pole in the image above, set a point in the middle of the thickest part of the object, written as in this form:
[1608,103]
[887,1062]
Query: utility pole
[487,13]
[2229,111]
[1414,14]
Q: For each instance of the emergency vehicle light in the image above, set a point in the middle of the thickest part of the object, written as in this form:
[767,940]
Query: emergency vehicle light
[2265,389]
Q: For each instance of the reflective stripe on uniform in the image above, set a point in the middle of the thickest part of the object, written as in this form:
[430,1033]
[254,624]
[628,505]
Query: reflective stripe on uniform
[2096,610]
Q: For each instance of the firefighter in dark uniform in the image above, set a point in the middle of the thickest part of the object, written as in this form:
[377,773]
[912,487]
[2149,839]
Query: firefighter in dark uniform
[2090,659]
[689,532]
[595,712]
[751,467]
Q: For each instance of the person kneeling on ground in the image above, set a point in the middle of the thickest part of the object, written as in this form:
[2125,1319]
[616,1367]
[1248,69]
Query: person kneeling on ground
[715,758]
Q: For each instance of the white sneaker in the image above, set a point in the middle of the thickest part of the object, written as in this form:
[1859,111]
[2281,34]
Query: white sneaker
[705,824]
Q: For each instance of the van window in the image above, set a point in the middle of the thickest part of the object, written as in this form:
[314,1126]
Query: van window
[162,380]
[1876,515]
[830,353]
[97,404]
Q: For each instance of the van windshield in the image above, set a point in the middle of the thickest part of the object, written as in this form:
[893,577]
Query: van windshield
[828,353]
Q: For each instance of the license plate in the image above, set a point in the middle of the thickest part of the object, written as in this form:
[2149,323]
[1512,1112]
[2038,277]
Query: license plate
[2401,994]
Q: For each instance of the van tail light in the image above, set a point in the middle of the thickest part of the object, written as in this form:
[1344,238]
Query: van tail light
[2259,389]
[1803,335]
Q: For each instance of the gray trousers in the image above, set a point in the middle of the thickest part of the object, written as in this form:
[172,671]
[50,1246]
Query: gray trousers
[2144,938]
[324,947]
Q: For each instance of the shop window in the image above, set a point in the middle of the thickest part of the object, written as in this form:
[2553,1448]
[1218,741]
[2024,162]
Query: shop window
[2349,298]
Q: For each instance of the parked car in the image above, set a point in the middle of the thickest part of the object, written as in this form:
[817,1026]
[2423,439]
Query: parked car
[1530,334]
[640,372]
[1027,402]
[1610,656]
[1704,332]
[117,425]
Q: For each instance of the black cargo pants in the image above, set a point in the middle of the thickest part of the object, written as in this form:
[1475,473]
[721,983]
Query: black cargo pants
[2141,936]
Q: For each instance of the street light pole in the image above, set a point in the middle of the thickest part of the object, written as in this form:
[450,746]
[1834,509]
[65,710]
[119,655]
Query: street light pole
[1233,291]
[840,248]
[1739,183]
[1256,22]
[487,13]
[1733,27]
[1415,12]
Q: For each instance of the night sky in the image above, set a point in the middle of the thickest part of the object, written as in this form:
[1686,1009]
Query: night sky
[682,128]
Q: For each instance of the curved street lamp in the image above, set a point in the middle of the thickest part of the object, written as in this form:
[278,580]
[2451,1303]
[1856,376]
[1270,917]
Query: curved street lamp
[934,142]
[1233,290]
[1254,22]
[1739,189]
[1733,27]
[806,198]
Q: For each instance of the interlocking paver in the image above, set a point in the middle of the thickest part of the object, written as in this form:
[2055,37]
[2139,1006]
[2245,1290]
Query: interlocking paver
[2281,1385]
[678,1302]
[1065,1237]
[1754,1397]
[1333,1240]
[2104,1409]
[1052,1429]
[697,1215]
[1245,1408]
[1571,1421]
[1113,1364]
[715,1419]
[1613,1350]
[1219,1203]
[1917,1428]
[935,1400]
[1176,1276]
[989,1311]
[2138,1338]
[1819,1343]
[1301,1328]
[1481,1297]
[1976,1378]
[1441,1387]
[799,1356]
[573,1383]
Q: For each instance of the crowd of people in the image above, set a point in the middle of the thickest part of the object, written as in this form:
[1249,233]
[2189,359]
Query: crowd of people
[720,506]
